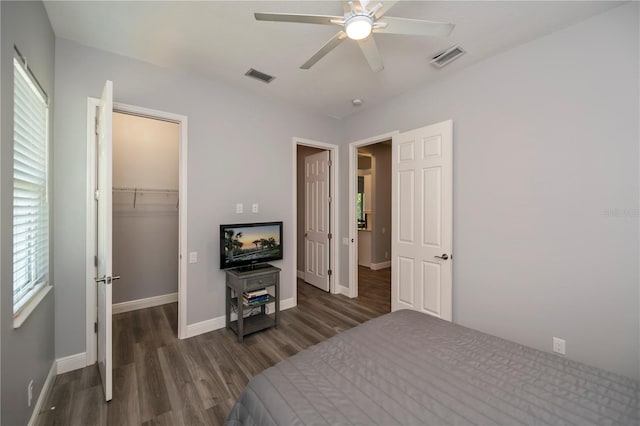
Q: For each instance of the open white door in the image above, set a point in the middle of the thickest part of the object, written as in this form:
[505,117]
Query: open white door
[316,220]
[422,179]
[104,208]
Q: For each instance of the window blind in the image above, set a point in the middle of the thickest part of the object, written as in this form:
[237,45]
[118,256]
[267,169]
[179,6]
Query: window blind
[30,188]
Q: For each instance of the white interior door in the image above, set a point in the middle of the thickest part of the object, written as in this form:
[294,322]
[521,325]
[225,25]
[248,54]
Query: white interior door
[104,236]
[316,220]
[422,212]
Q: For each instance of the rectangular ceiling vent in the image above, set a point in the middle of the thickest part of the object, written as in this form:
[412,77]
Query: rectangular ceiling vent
[447,56]
[259,75]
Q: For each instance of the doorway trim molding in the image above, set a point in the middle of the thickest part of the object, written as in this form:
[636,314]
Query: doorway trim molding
[91,313]
[353,193]
[334,287]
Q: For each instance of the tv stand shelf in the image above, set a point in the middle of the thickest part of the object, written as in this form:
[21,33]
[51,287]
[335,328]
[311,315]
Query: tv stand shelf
[239,281]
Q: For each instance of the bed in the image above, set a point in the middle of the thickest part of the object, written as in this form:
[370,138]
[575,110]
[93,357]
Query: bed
[410,368]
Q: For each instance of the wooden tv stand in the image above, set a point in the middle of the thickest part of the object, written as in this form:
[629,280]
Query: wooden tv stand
[246,279]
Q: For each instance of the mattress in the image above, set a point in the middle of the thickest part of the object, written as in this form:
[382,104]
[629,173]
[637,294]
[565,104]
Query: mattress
[413,369]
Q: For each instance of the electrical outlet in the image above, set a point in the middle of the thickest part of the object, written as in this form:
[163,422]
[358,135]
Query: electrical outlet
[559,346]
[239,208]
[193,257]
[254,208]
[29,393]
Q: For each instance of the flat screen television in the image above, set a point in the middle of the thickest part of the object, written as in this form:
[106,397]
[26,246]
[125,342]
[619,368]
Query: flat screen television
[250,244]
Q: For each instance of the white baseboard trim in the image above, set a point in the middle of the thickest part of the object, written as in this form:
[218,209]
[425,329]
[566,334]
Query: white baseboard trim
[205,326]
[301,274]
[149,302]
[71,362]
[381,265]
[44,394]
[220,322]
[340,289]
[288,304]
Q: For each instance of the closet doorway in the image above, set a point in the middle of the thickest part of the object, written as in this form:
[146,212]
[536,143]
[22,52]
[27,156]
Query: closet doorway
[145,212]
[373,212]
[149,194]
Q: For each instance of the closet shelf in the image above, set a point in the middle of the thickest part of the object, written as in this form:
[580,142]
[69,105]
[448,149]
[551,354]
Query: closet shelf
[148,191]
[156,191]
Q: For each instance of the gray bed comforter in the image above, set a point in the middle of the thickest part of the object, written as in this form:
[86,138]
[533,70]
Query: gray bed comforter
[412,369]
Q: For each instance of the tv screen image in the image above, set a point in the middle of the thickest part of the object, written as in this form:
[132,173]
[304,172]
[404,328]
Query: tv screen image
[250,243]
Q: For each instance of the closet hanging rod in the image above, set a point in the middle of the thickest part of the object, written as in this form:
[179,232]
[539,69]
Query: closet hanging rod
[160,191]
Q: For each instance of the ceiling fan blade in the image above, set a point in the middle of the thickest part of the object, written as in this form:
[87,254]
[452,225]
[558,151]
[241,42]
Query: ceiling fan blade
[386,5]
[293,17]
[414,27]
[370,50]
[345,6]
[328,47]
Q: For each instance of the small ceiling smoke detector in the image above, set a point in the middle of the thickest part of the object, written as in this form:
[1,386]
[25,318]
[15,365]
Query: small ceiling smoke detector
[264,77]
[357,102]
[447,56]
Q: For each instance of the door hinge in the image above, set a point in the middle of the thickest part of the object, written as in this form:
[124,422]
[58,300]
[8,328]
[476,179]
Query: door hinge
[95,327]
[96,194]
[96,122]
[330,235]
[329,199]
[330,163]
[329,272]
[95,260]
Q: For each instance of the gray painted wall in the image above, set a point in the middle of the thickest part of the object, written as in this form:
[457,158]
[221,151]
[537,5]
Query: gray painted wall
[381,183]
[545,188]
[303,151]
[145,254]
[27,352]
[240,151]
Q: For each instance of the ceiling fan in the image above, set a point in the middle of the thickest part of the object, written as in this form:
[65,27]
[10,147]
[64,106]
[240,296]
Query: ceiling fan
[358,23]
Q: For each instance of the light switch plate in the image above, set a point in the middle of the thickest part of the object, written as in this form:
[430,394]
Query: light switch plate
[239,208]
[193,257]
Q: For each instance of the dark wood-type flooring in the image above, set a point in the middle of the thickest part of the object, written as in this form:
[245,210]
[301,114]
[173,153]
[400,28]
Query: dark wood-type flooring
[161,380]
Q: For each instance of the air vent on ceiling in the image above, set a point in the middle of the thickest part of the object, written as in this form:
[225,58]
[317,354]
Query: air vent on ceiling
[259,75]
[447,56]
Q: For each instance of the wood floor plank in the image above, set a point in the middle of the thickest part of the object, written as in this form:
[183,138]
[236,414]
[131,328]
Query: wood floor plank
[152,391]
[166,419]
[123,342]
[91,408]
[211,389]
[181,389]
[124,410]
[161,380]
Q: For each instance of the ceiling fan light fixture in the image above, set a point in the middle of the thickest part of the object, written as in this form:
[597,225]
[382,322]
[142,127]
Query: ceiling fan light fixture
[358,27]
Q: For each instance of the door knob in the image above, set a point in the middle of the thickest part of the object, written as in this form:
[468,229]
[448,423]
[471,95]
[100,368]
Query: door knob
[101,280]
[444,256]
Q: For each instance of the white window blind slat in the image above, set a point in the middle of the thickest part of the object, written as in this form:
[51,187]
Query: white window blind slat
[30,185]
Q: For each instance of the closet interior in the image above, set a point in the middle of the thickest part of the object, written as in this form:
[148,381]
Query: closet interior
[145,211]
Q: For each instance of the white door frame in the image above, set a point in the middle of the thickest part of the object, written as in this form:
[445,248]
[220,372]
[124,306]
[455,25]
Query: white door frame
[92,103]
[333,208]
[353,193]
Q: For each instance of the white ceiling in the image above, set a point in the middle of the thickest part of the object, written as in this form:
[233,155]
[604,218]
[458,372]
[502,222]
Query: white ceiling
[222,40]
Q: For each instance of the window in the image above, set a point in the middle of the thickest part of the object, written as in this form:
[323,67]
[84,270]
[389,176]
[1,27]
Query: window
[30,189]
